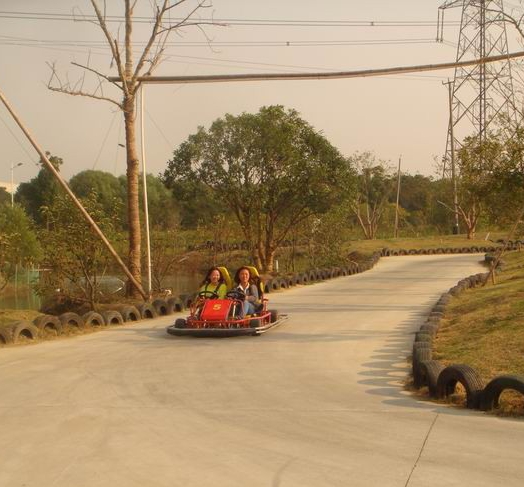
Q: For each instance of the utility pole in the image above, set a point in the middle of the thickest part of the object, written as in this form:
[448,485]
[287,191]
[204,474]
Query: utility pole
[452,156]
[144,182]
[398,197]
[13,167]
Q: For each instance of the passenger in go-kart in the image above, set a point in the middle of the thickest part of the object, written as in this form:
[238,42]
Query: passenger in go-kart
[252,300]
[213,284]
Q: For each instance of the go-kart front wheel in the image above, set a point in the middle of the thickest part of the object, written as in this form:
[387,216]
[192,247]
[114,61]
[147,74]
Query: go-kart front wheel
[180,323]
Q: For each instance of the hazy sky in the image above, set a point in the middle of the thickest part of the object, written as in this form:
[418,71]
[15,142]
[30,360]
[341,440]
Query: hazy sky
[390,116]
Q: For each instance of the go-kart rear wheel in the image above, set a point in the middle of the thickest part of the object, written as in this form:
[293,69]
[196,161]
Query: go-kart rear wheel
[274,315]
[180,323]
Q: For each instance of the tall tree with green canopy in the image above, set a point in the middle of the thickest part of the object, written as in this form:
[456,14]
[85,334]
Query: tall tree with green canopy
[5,196]
[107,188]
[18,242]
[271,169]
[40,192]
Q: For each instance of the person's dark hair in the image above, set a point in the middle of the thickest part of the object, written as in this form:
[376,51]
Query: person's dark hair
[207,279]
[237,279]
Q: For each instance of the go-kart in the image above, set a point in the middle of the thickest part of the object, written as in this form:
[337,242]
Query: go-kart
[214,317]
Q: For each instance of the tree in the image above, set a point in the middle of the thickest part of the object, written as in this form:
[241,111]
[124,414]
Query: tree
[163,211]
[75,257]
[5,196]
[374,185]
[108,189]
[129,72]
[271,169]
[477,162]
[40,192]
[18,242]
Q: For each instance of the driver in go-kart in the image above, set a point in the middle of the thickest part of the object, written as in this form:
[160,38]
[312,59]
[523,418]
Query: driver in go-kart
[214,284]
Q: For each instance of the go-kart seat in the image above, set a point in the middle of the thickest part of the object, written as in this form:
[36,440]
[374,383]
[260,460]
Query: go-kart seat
[227,277]
[257,281]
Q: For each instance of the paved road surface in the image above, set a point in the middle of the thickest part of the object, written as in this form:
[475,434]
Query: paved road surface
[316,402]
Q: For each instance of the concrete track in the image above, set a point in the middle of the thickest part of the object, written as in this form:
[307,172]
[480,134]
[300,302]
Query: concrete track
[316,402]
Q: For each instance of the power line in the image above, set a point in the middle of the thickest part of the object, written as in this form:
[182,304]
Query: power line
[18,15]
[6,41]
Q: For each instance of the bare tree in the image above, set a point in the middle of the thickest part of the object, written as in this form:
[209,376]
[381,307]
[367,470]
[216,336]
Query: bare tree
[374,185]
[129,72]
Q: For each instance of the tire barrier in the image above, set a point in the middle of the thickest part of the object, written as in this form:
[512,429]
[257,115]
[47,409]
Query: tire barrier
[112,318]
[386,252]
[147,311]
[442,381]
[48,324]
[161,307]
[129,313]
[92,319]
[71,320]
[429,371]
[175,304]
[5,336]
[21,330]
[491,394]
[187,299]
[465,375]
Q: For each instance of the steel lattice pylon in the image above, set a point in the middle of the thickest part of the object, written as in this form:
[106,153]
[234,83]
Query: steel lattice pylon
[483,92]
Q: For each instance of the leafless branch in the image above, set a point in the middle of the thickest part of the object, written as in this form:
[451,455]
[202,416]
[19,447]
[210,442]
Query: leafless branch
[113,44]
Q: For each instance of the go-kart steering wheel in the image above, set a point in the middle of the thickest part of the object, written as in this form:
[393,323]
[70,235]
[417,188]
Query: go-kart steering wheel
[236,294]
[208,294]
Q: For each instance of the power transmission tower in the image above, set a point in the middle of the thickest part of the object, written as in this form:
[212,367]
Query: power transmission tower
[481,93]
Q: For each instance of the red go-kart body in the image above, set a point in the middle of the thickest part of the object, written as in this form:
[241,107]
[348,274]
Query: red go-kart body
[222,317]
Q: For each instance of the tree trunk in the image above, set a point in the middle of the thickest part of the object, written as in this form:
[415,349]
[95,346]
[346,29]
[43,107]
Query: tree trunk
[133,214]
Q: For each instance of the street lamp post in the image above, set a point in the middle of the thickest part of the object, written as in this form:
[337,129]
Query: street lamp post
[13,167]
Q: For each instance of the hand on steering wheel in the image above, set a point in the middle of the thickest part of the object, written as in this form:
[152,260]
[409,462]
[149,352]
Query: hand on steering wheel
[236,294]
[208,294]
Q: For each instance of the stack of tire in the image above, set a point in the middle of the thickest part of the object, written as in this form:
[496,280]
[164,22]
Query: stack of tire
[442,381]
[46,326]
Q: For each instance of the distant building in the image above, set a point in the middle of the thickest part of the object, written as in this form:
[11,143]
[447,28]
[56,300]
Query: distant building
[7,186]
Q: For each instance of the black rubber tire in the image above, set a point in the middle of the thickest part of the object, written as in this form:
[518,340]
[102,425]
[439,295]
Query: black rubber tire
[430,328]
[429,371]
[92,318]
[255,323]
[275,284]
[491,393]
[112,318]
[71,320]
[6,336]
[147,311]
[274,315]
[180,323]
[187,299]
[24,328]
[419,355]
[161,307]
[176,304]
[48,324]
[467,376]
[423,337]
[417,345]
[130,313]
